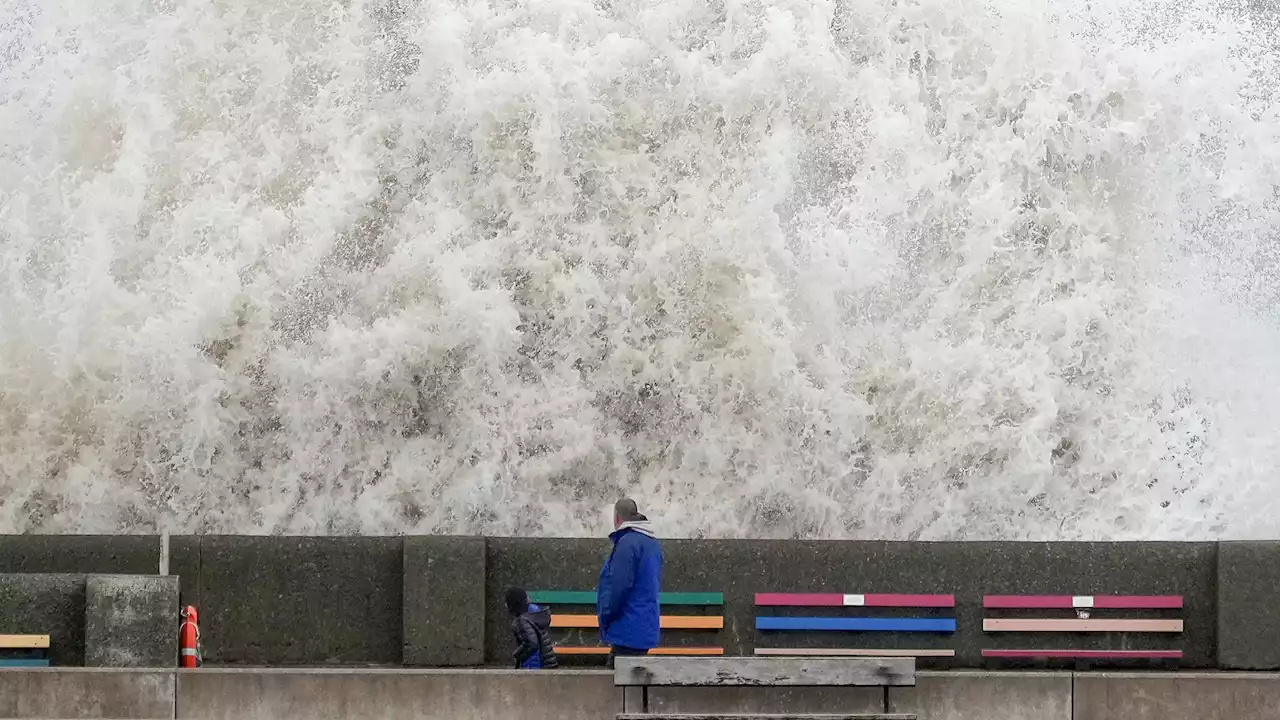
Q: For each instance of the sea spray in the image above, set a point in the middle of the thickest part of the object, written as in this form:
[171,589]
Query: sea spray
[870,268]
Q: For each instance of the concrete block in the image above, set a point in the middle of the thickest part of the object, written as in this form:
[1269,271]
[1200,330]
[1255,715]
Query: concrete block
[300,600]
[87,693]
[1248,625]
[1180,696]
[131,621]
[444,601]
[970,695]
[53,605]
[83,554]
[331,694]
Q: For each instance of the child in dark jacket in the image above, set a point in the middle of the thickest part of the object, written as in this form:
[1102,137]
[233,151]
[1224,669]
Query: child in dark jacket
[531,627]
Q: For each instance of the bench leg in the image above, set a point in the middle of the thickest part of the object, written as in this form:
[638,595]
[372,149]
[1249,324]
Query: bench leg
[635,699]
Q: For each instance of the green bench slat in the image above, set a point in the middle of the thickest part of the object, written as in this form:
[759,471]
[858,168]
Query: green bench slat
[588,597]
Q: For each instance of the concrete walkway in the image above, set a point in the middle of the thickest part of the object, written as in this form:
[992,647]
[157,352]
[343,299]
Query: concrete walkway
[403,694]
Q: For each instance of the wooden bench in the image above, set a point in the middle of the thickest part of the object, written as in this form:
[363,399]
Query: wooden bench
[33,650]
[761,672]
[1083,622]
[583,621]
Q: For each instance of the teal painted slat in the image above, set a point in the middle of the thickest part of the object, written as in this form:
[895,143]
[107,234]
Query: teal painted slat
[588,597]
[24,662]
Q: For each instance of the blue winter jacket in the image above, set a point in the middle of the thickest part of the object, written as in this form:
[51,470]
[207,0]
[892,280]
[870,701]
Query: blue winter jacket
[627,596]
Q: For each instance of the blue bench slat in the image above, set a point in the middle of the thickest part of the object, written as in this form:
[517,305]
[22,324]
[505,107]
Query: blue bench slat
[857,624]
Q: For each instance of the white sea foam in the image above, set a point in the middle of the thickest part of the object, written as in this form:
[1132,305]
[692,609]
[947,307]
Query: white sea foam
[833,268]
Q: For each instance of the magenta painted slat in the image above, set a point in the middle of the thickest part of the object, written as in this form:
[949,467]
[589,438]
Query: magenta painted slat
[1026,601]
[800,599]
[1137,601]
[911,601]
[1086,654]
[841,600]
[1147,602]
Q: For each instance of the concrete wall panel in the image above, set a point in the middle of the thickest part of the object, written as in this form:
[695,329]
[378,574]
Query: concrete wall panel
[300,600]
[444,601]
[966,695]
[1184,696]
[220,694]
[184,563]
[86,693]
[53,605]
[123,554]
[1248,625]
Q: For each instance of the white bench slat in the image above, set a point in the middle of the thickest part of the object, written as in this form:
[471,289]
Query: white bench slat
[748,671]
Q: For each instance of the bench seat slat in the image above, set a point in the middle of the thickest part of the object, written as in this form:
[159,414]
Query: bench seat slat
[10,642]
[854,600]
[767,671]
[669,650]
[1114,602]
[588,597]
[855,652]
[1087,654]
[666,622]
[1079,625]
[24,662]
[857,624]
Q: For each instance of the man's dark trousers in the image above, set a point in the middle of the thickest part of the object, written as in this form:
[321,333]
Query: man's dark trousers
[623,651]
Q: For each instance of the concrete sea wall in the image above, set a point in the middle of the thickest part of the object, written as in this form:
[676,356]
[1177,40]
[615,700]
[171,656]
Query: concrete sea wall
[341,694]
[435,601]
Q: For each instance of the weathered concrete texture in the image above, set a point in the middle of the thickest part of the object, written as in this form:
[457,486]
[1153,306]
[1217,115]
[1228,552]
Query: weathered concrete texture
[131,621]
[1184,696]
[763,700]
[533,564]
[184,562]
[87,693]
[221,694]
[84,554]
[300,600]
[968,695]
[53,605]
[1248,626]
[968,570]
[444,601]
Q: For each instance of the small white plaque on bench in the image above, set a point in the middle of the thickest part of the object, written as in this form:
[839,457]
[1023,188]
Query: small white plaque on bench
[1082,601]
[855,600]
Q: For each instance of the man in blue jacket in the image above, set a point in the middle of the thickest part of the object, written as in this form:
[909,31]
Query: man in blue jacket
[627,597]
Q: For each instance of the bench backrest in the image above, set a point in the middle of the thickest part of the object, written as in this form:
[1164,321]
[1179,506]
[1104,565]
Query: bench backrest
[766,671]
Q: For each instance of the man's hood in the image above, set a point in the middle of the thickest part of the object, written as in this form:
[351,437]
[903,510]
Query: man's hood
[641,525]
[540,616]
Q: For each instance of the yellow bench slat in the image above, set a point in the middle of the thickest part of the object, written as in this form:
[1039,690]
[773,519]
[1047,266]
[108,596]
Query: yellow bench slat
[10,642]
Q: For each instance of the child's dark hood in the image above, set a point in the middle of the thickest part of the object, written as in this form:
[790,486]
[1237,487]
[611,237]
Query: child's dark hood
[539,616]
